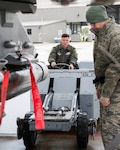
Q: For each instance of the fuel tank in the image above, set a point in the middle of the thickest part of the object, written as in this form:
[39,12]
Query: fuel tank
[19,80]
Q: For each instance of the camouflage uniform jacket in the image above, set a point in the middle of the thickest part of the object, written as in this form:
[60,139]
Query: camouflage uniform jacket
[107,39]
[60,55]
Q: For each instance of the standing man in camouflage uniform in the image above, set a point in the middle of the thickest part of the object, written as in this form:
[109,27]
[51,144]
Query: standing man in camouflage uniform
[107,70]
[63,53]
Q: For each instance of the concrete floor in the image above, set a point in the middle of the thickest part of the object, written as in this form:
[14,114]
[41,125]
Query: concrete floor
[51,141]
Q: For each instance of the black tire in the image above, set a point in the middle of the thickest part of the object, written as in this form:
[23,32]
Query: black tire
[29,137]
[19,128]
[19,133]
[82,130]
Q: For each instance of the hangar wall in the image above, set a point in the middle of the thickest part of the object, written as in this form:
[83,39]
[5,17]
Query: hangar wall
[70,14]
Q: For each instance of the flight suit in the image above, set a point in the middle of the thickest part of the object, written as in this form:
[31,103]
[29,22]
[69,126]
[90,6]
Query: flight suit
[61,55]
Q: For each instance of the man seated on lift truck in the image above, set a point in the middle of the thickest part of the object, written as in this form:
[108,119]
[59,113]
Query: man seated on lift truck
[63,53]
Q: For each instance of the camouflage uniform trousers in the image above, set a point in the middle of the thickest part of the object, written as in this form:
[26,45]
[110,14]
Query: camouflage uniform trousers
[110,119]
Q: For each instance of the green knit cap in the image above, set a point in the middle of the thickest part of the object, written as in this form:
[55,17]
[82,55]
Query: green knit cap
[96,13]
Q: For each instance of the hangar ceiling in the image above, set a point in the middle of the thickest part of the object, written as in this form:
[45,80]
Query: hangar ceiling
[70,3]
[113,6]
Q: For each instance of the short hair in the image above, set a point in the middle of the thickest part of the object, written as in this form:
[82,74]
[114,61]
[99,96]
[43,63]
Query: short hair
[65,35]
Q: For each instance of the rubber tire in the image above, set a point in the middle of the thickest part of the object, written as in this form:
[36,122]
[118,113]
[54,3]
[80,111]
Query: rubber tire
[29,137]
[19,133]
[82,130]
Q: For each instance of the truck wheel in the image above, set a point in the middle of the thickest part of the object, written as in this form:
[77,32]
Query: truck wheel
[19,133]
[82,130]
[19,128]
[29,137]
